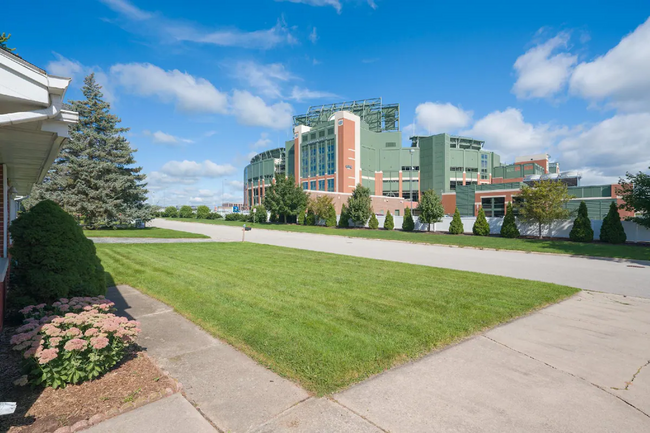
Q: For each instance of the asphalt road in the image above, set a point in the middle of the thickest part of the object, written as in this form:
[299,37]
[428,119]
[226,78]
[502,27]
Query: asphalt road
[618,276]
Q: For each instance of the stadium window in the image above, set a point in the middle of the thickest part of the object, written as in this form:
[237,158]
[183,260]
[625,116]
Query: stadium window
[330,185]
[313,185]
[304,185]
[321,185]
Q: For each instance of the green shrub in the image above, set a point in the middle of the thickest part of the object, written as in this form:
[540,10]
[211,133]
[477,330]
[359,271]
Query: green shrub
[509,227]
[214,216]
[481,226]
[202,212]
[310,219]
[260,214]
[456,226]
[581,230]
[274,218]
[344,219]
[81,346]
[170,212]
[51,257]
[300,220]
[235,217]
[373,224]
[389,224]
[186,212]
[330,221]
[612,230]
[408,225]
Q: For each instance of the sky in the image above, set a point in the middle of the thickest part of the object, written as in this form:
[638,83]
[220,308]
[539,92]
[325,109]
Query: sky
[205,85]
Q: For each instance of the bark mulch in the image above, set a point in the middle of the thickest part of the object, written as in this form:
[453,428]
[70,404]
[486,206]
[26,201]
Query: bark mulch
[132,383]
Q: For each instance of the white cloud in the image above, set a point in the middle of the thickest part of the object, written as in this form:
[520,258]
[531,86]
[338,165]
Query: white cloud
[193,169]
[313,36]
[611,147]
[127,9]
[260,39]
[251,110]
[235,184]
[506,133]
[336,4]
[621,76]
[540,72]
[74,69]
[169,30]
[302,94]
[266,79]
[164,138]
[157,180]
[435,117]
[186,91]
[263,141]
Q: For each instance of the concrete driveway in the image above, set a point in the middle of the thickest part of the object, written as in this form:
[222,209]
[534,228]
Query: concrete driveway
[623,277]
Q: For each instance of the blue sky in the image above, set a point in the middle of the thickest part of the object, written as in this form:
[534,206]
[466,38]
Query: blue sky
[203,85]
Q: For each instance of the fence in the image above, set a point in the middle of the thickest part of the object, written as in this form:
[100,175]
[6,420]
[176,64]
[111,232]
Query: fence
[559,229]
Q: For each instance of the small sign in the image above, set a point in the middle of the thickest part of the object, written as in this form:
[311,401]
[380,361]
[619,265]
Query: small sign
[235,209]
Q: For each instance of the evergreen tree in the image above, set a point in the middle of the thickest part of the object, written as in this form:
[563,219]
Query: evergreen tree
[359,205]
[389,223]
[481,226]
[3,42]
[94,175]
[300,220]
[310,219]
[408,225]
[581,230]
[344,219]
[509,227]
[456,226]
[373,224]
[330,220]
[430,207]
[612,230]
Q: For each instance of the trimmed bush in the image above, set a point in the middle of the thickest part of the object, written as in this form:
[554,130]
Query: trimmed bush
[310,219]
[51,257]
[456,226]
[509,227]
[202,212]
[260,214]
[186,212]
[235,217]
[214,216]
[330,221]
[481,226]
[300,220]
[344,219]
[612,230]
[581,230]
[373,224]
[170,212]
[71,341]
[389,224]
[408,225]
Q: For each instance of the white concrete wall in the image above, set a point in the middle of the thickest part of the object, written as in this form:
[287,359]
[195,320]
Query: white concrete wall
[559,229]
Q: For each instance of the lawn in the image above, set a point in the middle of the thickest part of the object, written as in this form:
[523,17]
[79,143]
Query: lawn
[323,320]
[149,232]
[596,249]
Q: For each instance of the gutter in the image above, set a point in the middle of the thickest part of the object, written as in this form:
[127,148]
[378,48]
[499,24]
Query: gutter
[36,115]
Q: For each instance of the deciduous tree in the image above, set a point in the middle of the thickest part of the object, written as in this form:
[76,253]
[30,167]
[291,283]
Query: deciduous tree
[544,202]
[430,207]
[635,191]
[359,205]
[285,198]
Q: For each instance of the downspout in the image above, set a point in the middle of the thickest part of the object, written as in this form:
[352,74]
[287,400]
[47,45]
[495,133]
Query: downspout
[32,116]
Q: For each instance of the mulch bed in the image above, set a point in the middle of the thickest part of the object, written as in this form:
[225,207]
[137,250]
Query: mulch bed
[133,382]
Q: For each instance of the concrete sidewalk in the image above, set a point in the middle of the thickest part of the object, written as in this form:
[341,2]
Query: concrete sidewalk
[579,366]
[623,277]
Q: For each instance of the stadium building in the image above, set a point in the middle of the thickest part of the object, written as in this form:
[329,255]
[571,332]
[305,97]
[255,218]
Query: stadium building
[337,146]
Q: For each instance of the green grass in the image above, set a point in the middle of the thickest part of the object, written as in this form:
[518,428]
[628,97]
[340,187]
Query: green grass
[596,249]
[149,232]
[323,320]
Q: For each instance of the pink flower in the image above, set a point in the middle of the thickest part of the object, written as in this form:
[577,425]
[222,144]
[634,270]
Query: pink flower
[73,332]
[55,341]
[30,352]
[56,304]
[64,300]
[76,344]
[99,342]
[47,355]
[40,306]
[91,332]
[64,307]
[51,330]
[27,327]
[27,309]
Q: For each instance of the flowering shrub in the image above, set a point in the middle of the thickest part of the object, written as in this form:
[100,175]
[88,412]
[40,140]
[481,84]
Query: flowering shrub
[73,340]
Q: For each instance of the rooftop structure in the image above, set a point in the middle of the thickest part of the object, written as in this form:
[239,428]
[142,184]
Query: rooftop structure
[373,112]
